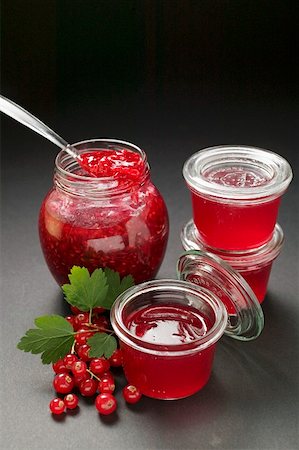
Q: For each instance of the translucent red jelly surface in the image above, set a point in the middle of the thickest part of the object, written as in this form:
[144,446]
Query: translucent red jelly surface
[237,176]
[127,233]
[168,377]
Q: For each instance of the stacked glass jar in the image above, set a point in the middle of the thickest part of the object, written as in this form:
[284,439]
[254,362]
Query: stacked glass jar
[236,193]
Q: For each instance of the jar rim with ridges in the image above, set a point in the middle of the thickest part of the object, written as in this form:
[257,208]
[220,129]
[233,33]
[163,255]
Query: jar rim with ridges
[159,292]
[69,178]
[248,259]
[273,173]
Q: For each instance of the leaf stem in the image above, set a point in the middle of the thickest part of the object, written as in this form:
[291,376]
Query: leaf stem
[90,315]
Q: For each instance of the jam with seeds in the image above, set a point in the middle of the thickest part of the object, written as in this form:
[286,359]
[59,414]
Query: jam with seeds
[107,215]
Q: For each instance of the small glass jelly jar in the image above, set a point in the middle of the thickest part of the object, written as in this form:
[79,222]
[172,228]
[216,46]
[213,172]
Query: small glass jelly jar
[97,222]
[168,329]
[253,264]
[236,192]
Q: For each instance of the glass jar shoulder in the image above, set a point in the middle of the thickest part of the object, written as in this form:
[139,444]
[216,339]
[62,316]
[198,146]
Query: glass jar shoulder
[144,202]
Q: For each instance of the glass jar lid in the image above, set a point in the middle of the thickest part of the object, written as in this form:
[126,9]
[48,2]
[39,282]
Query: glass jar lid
[238,259]
[245,316]
[237,173]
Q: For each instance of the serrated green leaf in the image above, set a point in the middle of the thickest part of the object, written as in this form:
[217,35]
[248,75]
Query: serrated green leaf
[116,286]
[53,338]
[86,291]
[101,344]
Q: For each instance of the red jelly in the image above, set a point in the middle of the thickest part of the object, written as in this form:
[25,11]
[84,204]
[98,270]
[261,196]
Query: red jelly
[236,193]
[168,338]
[254,264]
[115,219]
[168,325]
[168,330]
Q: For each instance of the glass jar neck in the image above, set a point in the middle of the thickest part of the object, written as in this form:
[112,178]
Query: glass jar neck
[69,177]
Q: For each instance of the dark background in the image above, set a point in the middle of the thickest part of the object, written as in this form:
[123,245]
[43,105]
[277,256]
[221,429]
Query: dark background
[172,76]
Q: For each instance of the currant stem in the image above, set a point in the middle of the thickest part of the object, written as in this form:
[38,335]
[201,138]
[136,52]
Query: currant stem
[73,347]
[90,315]
[93,375]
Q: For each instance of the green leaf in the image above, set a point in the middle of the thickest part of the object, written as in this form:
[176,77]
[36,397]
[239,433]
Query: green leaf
[116,286]
[53,338]
[101,344]
[86,291]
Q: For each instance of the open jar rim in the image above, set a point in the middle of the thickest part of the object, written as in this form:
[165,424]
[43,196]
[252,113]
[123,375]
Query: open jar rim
[195,296]
[274,167]
[238,259]
[68,178]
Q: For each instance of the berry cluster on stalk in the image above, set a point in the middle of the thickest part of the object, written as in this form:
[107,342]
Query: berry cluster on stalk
[79,373]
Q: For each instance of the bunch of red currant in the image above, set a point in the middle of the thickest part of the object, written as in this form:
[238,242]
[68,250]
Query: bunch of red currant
[89,376]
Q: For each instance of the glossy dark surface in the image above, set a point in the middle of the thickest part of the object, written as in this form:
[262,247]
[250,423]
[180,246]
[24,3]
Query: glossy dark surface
[172,77]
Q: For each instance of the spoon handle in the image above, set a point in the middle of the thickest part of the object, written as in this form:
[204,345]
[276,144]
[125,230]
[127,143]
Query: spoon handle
[26,118]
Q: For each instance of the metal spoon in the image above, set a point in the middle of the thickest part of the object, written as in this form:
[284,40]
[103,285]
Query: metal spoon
[21,115]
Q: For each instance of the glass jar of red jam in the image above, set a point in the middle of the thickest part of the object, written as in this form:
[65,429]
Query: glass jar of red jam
[236,192]
[168,330]
[253,264]
[120,222]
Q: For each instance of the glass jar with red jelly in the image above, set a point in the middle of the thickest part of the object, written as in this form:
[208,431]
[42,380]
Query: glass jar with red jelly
[168,330]
[253,264]
[116,219]
[236,192]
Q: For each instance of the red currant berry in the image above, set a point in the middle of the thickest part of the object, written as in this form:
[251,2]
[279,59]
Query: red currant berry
[82,335]
[69,360]
[106,403]
[78,379]
[63,383]
[99,365]
[80,319]
[131,394]
[57,406]
[79,368]
[59,366]
[83,352]
[70,319]
[88,387]
[106,385]
[108,374]
[116,359]
[71,401]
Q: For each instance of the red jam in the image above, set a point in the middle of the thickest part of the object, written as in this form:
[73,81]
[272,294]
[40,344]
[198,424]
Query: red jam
[168,376]
[126,232]
[122,165]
